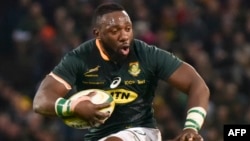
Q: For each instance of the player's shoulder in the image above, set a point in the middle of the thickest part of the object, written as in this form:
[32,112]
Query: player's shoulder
[144,48]
[85,46]
[81,52]
[83,49]
[142,45]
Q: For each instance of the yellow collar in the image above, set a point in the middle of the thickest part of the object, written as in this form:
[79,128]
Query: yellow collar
[100,48]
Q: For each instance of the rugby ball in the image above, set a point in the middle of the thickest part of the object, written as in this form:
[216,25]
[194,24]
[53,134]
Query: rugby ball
[100,97]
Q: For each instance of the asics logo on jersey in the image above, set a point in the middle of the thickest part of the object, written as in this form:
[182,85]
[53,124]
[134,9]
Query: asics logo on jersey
[116,82]
[87,74]
[122,96]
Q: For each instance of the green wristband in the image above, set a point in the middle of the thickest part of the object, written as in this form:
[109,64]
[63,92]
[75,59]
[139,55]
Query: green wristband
[62,107]
[195,118]
[193,124]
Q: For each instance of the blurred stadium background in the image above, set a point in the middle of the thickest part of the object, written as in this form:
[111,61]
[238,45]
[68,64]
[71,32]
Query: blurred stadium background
[212,35]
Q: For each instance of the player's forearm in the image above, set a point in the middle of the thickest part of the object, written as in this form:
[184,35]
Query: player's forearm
[198,101]
[44,105]
[198,95]
[48,92]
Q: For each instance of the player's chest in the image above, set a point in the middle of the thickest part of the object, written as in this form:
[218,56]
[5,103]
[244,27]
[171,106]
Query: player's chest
[105,74]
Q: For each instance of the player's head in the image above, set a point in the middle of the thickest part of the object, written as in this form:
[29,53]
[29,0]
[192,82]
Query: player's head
[113,28]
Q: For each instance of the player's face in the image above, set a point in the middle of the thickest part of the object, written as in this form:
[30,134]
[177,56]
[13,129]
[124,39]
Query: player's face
[116,34]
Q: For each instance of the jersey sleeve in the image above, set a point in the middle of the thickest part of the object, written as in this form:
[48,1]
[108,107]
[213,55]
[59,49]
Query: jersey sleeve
[67,68]
[164,63]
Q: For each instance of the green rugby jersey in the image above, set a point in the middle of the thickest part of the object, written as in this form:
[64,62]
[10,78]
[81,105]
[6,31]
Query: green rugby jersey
[132,83]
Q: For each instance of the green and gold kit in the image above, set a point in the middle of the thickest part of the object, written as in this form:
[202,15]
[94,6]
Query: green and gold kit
[131,83]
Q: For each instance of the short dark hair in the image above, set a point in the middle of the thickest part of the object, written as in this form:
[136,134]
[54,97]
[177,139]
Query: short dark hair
[105,8]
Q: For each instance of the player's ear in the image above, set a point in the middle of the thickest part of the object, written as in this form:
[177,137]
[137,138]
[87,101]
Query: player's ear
[96,33]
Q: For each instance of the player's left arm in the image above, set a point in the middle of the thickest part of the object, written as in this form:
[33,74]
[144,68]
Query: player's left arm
[187,80]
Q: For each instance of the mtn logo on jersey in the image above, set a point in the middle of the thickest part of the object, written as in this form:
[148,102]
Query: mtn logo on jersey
[122,96]
[90,71]
[134,68]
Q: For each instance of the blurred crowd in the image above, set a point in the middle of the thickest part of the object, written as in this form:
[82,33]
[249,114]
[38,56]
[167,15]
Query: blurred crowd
[211,35]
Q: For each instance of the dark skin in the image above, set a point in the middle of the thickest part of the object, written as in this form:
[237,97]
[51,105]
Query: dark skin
[114,31]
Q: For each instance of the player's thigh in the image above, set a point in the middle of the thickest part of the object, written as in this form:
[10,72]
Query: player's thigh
[135,134]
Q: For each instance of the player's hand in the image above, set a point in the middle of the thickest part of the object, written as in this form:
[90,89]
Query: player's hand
[188,135]
[91,112]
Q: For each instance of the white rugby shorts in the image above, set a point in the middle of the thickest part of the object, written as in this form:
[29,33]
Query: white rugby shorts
[137,134]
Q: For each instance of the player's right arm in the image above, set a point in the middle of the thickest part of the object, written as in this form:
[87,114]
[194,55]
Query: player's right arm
[48,92]
[53,88]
